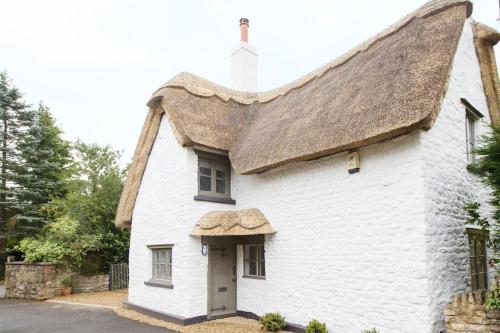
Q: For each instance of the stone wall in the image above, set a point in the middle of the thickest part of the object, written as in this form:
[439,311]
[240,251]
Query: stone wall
[466,313]
[39,281]
[92,283]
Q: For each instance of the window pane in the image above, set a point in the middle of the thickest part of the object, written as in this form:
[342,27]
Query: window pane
[261,251]
[252,253]
[246,251]
[205,183]
[220,174]
[162,263]
[262,268]
[221,186]
[205,168]
[252,268]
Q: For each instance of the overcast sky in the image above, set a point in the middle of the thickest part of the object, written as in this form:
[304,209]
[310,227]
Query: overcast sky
[96,62]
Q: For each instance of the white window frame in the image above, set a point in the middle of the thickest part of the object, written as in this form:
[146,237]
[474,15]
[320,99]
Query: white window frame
[472,117]
[259,261]
[470,135]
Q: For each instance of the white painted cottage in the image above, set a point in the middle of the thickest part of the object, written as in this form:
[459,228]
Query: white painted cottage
[337,197]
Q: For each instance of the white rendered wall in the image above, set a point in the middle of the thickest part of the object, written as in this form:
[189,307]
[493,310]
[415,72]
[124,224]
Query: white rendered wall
[355,251]
[448,184]
[349,249]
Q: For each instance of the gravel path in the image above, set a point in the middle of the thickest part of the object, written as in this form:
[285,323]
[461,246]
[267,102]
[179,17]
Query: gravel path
[107,298]
[115,299]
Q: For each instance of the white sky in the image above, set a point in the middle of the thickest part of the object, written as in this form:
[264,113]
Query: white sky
[96,62]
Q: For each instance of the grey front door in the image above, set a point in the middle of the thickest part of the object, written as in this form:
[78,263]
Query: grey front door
[221,280]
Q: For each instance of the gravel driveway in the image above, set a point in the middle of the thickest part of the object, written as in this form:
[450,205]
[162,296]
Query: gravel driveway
[44,317]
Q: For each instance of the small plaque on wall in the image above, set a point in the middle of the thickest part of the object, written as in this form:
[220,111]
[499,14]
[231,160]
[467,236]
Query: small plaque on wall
[353,161]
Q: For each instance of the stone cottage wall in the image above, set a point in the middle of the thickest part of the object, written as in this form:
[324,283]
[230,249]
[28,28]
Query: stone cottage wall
[40,281]
[466,313]
[37,281]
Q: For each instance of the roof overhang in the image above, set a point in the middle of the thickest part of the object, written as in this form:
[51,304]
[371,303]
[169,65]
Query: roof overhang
[233,223]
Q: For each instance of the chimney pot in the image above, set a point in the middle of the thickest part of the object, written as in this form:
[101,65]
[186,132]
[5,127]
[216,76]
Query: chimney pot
[244,25]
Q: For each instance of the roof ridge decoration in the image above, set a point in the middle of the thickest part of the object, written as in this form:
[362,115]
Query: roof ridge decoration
[206,88]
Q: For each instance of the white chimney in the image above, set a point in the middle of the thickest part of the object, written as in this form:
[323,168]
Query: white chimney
[244,62]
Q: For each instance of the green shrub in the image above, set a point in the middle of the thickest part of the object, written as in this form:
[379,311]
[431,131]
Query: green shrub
[272,321]
[493,298]
[315,326]
[373,330]
[67,282]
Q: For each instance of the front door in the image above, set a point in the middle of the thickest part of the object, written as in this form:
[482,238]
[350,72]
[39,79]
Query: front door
[221,280]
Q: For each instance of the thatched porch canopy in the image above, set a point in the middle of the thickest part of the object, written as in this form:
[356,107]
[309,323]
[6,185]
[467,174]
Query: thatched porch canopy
[233,223]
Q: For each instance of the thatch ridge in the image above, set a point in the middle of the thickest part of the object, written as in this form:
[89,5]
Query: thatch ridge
[205,88]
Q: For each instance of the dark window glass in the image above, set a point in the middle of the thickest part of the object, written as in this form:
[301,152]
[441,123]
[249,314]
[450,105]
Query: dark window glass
[214,177]
[477,258]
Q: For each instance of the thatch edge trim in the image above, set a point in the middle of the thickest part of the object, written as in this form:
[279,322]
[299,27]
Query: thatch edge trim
[484,39]
[145,144]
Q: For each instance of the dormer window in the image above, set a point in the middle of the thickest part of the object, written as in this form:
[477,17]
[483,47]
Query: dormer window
[472,117]
[214,178]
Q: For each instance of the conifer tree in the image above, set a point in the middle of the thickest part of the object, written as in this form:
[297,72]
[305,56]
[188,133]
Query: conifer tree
[41,173]
[14,119]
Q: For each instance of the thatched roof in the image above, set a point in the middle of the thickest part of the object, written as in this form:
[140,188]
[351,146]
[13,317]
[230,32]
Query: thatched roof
[233,223]
[387,86]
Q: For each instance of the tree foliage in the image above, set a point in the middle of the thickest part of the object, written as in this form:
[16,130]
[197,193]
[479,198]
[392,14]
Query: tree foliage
[488,169]
[41,174]
[60,197]
[88,211]
[15,120]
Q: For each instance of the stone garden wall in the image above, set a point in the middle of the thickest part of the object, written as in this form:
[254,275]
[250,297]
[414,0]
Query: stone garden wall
[39,281]
[467,314]
[92,283]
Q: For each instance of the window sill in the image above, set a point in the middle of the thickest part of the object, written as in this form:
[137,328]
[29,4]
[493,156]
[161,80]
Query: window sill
[254,277]
[214,199]
[471,166]
[158,283]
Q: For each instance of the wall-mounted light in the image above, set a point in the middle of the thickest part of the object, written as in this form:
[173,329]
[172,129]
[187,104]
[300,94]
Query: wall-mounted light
[204,247]
[353,161]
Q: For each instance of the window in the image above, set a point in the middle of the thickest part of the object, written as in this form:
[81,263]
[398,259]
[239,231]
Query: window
[470,124]
[477,257]
[255,264]
[472,115]
[214,178]
[162,264]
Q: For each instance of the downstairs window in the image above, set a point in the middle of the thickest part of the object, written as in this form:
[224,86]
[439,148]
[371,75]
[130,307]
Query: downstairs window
[477,258]
[255,264]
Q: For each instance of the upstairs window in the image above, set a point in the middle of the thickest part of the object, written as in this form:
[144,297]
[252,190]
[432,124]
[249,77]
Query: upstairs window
[472,116]
[477,258]
[214,178]
[470,136]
